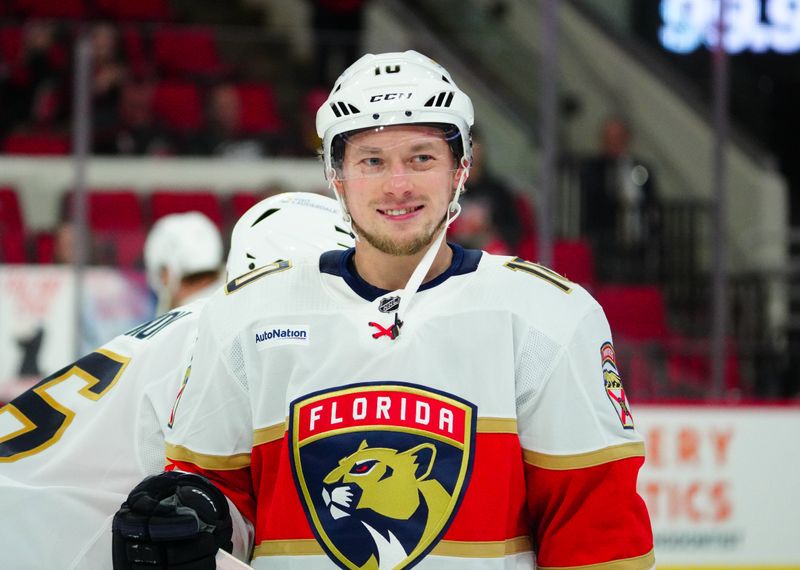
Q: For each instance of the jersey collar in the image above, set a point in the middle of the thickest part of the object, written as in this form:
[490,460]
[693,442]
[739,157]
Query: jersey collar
[340,264]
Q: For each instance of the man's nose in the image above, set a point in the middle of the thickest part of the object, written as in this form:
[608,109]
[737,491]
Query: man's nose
[399,176]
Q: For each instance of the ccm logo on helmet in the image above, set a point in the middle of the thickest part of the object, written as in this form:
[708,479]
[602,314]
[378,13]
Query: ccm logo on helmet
[389,97]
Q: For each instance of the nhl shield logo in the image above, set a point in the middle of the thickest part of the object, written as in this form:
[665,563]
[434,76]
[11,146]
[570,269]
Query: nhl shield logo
[381,469]
[613,385]
[389,304]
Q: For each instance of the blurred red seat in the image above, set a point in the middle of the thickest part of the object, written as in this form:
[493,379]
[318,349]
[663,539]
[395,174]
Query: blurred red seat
[186,51]
[44,247]
[36,144]
[164,201]
[109,209]
[70,9]
[528,246]
[12,247]
[636,312]
[688,365]
[242,201]
[114,210]
[135,51]
[122,249]
[573,259]
[10,44]
[178,104]
[12,228]
[10,211]
[135,10]
[259,109]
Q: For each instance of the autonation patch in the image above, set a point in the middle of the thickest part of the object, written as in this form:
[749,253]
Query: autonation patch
[276,335]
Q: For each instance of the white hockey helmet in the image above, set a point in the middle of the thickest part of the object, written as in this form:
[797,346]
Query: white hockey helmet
[184,244]
[397,88]
[292,225]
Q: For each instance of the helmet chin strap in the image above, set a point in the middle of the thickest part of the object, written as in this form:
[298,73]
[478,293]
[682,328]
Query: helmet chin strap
[330,174]
[415,281]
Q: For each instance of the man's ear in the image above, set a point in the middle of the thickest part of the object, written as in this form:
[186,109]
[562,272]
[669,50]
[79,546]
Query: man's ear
[338,186]
[459,172]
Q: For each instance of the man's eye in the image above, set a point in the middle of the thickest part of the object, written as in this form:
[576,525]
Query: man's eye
[372,162]
[422,158]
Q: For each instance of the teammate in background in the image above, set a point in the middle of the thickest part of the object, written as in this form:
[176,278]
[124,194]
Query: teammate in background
[406,402]
[73,446]
[183,259]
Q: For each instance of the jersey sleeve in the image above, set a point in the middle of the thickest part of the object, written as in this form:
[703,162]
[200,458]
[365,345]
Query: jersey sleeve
[581,451]
[210,430]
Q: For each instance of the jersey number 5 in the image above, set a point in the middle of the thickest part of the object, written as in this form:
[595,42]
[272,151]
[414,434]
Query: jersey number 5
[37,418]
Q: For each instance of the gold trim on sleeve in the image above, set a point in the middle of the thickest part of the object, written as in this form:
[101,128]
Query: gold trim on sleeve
[269,434]
[485,549]
[298,547]
[582,460]
[644,562]
[497,425]
[206,461]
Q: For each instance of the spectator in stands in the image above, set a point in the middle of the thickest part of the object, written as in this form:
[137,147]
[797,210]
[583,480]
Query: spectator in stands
[33,89]
[223,135]
[303,140]
[109,71]
[618,203]
[490,217]
[64,243]
[336,27]
[137,131]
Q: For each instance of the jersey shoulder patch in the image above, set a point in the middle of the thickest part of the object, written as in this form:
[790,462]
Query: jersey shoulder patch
[256,274]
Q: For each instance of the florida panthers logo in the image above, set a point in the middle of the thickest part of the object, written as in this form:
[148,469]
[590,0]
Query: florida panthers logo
[613,385]
[381,469]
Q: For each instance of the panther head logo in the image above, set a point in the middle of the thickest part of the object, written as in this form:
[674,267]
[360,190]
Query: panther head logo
[384,489]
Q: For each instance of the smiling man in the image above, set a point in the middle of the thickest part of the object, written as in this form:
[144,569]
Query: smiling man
[427,406]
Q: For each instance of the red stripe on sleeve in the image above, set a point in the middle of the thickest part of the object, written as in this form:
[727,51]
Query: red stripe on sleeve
[234,483]
[588,516]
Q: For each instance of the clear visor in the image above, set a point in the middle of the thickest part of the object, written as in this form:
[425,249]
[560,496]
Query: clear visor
[396,151]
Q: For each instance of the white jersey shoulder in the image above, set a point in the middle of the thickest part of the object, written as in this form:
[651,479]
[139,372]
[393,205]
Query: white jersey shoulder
[539,296]
[73,446]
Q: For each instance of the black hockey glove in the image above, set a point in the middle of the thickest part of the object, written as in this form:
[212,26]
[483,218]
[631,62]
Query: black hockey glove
[171,521]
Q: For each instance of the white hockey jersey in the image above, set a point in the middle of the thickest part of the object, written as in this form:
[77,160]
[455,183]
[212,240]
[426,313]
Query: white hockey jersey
[73,446]
[495,426]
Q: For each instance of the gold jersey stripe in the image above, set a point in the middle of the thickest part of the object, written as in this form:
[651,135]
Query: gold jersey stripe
[452,548]
[644,562]
[269,433]
[581,460]
[486,549]
[497,425]
[206,461]
[299,547]
[729,567]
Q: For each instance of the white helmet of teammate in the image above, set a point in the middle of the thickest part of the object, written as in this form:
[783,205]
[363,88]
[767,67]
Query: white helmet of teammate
[292,225]
[397,88]
[183,244]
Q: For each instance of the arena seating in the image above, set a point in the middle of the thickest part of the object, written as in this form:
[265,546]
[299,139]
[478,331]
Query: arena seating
[574,260]
[165,201]
[179,105]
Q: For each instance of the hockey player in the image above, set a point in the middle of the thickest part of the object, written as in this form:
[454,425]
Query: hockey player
[183,259]
[406,402]
[73,446]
